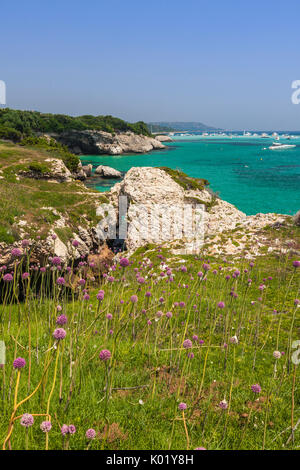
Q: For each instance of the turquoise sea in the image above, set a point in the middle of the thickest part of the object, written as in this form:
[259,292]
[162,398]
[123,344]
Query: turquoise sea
[241,169]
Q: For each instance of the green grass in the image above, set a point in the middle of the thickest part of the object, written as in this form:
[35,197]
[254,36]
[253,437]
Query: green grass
[24,198]
[150,359]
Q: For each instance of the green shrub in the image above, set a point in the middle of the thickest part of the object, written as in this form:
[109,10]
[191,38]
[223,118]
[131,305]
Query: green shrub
[31,122]
[185,181]
[37,167]
[54,148]
[71,161]
[10,134]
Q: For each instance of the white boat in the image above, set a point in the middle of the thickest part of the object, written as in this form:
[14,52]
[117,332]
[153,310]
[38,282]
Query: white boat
[278,145]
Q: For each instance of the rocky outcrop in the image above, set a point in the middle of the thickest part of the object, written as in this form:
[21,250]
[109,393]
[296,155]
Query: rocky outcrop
[88,169]
[54,244]
[52,169]
[162,211]
[163,138]
[93,142]
[108,172]
[79,174]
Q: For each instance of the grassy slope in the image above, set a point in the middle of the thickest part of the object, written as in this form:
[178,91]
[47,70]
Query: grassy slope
[24,198]
[152,361]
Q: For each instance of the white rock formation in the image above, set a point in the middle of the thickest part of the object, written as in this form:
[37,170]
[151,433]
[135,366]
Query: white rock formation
[155,213]
[99,142]
[107,172]
[163,138]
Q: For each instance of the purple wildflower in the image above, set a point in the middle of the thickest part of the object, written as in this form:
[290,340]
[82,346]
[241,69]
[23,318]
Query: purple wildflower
[124,262]
[19,363]
[256,388]
[61,281]
[182,406]
[27,420]
[223,404]
[187,344]
[61,320]
[46,426]
[64,429]
[59,334]
[105,355]
[72,429]
[17,252]
[90,434]
[100,295]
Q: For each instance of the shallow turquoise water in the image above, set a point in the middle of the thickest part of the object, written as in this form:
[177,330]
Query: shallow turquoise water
[242,170]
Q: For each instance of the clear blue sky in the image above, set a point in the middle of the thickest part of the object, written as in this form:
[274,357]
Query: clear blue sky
[228,63]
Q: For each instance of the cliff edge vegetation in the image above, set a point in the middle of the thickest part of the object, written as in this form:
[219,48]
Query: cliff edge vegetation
[32,122]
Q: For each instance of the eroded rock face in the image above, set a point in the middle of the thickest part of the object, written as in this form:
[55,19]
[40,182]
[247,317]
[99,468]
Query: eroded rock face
[147,187]
[100,142]
[161,210]
[107,172]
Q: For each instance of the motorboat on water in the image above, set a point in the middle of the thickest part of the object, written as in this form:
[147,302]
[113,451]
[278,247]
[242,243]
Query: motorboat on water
[278,145]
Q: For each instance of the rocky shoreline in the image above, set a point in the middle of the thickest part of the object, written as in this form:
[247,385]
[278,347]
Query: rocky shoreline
[92,142]
[227,230]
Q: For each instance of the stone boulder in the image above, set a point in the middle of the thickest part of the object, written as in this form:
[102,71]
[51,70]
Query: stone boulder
[163,138]
[87,169]
[107,172]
